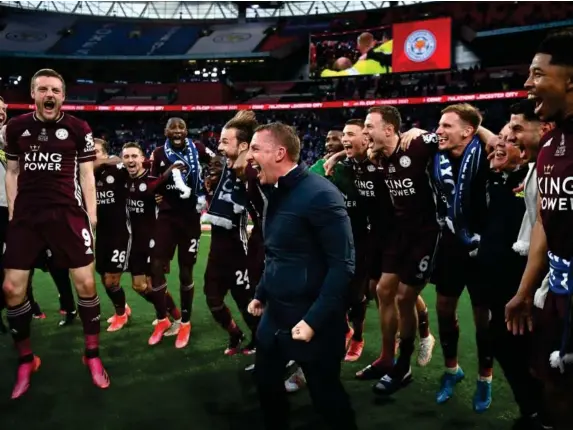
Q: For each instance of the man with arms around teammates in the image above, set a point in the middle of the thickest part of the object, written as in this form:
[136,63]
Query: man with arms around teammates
[50,186]
[410,249]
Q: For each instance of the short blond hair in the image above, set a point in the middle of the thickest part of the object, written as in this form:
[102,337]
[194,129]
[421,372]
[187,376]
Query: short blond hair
[103,143]
[467,113]
[286,136]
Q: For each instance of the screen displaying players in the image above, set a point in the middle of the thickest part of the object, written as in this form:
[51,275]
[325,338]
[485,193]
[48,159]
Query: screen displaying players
[400,48]
[351,53]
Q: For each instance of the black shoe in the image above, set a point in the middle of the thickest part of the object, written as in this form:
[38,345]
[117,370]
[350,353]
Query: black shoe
[397,378]
[68,319]
[371,372]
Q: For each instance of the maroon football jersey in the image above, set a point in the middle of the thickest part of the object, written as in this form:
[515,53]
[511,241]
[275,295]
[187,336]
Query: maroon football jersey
[373,194]
[141,207]
[49,154]
[407,174]
[555,183]
[171,195]
[111,198]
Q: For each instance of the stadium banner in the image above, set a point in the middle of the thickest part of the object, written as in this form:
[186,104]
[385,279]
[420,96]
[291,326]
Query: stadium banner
[237,40]
[92,38]
[31,33]
[288,106]
[422,45]
[351,53]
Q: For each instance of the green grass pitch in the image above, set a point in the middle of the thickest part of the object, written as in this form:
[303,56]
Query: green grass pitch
[199,388]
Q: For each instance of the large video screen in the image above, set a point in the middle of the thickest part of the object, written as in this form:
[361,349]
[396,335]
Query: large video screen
[400,48]
[351,53]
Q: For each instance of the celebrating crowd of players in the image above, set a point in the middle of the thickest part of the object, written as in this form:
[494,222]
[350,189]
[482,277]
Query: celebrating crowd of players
[462,207]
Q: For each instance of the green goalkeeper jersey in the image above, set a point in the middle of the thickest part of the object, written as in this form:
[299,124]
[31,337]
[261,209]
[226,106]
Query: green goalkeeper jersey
[343,177]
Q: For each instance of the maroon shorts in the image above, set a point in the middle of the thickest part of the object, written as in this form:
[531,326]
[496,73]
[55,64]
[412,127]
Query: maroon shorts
[224,273]
[65,231]
[410,254]
[139,262]
[112,249]
[374,256]
[548,325]
[175,230]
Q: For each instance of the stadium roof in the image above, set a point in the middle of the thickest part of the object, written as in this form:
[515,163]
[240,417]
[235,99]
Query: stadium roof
[201,10]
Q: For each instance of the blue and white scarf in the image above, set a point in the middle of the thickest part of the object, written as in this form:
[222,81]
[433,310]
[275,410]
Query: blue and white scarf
[229,200]
[192,178]
[560,283]
[458,192]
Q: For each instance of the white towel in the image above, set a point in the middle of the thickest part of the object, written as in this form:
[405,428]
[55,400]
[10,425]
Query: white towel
[521,246]
[541,293]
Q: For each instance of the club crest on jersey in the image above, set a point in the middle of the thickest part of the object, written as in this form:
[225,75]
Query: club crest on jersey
[110,180]
[371,168]
[405,161]
[142,187]
[62,134]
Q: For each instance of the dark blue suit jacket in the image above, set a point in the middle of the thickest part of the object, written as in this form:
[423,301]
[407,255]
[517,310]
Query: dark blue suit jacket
[309,263]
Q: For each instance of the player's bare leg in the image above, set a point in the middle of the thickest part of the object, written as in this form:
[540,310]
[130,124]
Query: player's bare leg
[401,374]
[386,291]
[187,293]
[427,340]
[111,282]
[19,313]
[157,296]
[83,279]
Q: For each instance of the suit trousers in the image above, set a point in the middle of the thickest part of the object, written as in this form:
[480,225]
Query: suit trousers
[328,395]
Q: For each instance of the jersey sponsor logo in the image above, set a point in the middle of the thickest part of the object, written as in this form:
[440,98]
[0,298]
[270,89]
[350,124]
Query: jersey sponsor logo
[420,45]
[42,161]
[105,197]
[90,144]
[400,187]
[556,193]
[136,206]
[62,134]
